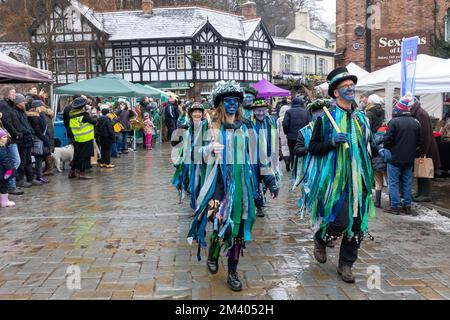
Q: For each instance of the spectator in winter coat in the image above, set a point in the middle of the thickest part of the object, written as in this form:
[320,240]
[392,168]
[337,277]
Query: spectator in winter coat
[104,130]
[376,115]
[25,145]
[125,114]
[6,170]
[39,126]
[295,118]
[375,112]
[400,143]
[11,123]
[171,116]
[284,147]
[428,149]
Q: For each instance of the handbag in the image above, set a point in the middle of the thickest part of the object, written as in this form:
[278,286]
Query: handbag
[38,147]
[423,168]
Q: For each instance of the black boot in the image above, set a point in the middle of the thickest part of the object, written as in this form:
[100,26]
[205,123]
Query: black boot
[425,196]
[288,164]
[259,212]
[213,257]
[378,198]
[419,189]
[212,263]
[233,281]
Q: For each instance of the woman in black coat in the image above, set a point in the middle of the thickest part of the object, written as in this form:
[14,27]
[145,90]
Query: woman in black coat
[40,129]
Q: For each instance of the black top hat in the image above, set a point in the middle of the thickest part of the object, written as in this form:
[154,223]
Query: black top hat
[251,91]
[79,102]
[223,89]
[338,76]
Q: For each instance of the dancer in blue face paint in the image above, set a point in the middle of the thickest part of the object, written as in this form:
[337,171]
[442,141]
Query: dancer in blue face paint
[250,95]
[265,149]
[227,197]
[342,187]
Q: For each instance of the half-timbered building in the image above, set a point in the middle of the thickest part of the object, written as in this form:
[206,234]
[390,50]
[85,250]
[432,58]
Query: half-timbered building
[183,49]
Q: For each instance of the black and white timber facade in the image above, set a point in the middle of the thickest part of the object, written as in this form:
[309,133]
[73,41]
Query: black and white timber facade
[182,49]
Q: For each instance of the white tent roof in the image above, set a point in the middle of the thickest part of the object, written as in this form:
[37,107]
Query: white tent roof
[426,82]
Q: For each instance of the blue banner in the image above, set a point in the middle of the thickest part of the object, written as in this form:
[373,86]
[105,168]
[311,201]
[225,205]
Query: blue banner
[409,61]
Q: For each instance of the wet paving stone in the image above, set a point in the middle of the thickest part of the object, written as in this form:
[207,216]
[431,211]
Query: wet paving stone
[126,232]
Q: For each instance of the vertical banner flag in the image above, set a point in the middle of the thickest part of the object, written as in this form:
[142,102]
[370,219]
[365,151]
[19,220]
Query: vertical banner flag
[409,60]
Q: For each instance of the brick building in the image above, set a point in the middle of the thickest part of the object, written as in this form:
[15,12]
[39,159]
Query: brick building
[379,40]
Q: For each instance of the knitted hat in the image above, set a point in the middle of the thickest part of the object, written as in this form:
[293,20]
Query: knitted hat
[405,103]
[223,89]
[374,99]
[19,98]
[3,133]
[37,104]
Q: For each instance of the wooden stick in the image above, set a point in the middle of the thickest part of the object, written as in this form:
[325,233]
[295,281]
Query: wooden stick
[335,126]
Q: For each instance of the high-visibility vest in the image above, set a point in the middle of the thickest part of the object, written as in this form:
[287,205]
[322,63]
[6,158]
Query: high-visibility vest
[81,131]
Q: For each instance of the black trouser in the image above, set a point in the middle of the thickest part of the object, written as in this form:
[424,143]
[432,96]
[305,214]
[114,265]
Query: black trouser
[26,166]
[291,144]
[38,166]
[170,130]
[3,186]
[105,150]
[80,164]
[349,247]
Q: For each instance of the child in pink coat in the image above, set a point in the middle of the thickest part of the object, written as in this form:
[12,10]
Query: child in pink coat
[148,131]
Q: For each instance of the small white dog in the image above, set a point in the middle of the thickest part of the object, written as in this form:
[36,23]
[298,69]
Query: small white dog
[62,155]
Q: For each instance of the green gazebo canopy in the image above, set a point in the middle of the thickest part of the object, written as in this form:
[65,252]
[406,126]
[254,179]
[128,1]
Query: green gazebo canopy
[108,85]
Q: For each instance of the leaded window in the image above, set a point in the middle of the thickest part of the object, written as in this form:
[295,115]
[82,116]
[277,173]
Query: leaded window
[232,58]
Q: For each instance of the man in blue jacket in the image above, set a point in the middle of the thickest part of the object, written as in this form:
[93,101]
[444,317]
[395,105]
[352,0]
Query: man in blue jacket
[402,139]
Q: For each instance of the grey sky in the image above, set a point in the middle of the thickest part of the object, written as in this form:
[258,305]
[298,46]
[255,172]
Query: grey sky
[329,10]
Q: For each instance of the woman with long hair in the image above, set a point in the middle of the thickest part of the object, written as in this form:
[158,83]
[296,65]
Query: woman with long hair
[227,198]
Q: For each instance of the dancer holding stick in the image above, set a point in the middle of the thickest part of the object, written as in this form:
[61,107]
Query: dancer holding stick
[342,190]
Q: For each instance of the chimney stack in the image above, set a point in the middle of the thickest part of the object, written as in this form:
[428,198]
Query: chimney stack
[248,10]
[147,7]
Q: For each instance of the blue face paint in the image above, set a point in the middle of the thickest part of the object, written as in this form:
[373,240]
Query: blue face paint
[248,99]
[259,113]
[230,104]
[347,93]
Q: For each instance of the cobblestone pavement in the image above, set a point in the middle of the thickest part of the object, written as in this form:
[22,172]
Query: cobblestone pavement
[127,233]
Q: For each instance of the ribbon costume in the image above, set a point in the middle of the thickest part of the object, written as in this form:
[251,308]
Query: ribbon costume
[227,197]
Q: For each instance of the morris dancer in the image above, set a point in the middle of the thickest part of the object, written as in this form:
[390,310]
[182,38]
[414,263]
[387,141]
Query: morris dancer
[227,196]
[265,146]
[249,97]
[343,188]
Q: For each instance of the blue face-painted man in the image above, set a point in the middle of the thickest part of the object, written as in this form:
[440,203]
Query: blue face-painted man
[248,100]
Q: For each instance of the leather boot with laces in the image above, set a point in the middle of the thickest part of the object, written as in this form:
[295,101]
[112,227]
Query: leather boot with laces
[346,273]
[320,251]
[233,281]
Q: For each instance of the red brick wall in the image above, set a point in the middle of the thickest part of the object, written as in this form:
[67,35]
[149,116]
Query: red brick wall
[397,17]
